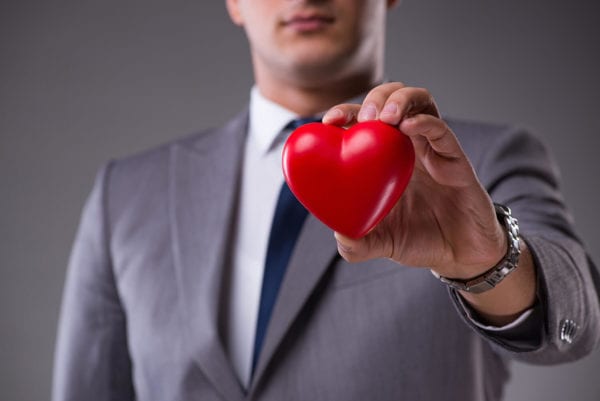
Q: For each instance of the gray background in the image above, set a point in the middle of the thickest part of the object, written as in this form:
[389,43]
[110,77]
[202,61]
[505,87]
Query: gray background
[84,81]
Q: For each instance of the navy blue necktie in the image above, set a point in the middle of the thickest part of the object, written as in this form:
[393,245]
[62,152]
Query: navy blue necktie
[287,222]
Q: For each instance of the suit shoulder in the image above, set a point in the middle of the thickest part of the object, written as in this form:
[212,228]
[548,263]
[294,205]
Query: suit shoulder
[145,174]
[156,156]
[473,131]
[479,138]
[202,141]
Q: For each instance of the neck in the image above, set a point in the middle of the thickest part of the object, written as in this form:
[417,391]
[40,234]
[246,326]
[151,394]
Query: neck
[308,100]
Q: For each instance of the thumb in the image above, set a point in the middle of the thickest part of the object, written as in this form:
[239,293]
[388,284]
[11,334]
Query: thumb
[355,250]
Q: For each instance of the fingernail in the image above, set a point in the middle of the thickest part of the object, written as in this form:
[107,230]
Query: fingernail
[333,114]
[390,109]
[367,112]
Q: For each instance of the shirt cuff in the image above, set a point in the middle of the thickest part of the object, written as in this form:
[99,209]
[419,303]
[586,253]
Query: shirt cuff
[472,315]
[523,334]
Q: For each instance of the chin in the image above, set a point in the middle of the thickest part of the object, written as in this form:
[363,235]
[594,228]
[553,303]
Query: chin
[319,60]
[317,74]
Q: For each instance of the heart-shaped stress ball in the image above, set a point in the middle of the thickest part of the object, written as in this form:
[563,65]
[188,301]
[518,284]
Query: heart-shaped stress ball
[349,179]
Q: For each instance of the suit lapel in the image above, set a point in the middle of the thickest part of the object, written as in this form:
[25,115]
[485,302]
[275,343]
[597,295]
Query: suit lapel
[314,252]
[204,179]
[203,187]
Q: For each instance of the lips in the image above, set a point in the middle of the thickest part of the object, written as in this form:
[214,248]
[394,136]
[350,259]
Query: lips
[306,22]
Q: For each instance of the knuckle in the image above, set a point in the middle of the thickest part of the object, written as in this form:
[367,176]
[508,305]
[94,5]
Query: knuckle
[394,85]
[381,92]
[345,107]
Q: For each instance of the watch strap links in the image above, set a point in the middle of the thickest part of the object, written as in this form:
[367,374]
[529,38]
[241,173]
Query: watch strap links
[492,277]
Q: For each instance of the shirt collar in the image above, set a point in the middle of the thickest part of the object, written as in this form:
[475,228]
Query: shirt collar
[267,120]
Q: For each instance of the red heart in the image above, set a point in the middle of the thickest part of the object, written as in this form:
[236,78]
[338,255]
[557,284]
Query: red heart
[349,179]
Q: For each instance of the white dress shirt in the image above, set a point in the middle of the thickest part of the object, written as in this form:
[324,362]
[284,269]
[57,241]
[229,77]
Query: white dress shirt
[261,180]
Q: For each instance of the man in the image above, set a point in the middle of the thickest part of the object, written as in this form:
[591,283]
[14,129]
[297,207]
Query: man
[163,298]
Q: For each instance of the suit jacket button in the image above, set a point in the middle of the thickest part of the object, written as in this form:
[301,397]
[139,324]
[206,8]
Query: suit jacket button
[568,328]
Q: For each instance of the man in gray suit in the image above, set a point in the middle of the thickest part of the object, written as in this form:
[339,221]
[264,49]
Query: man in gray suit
[165,285]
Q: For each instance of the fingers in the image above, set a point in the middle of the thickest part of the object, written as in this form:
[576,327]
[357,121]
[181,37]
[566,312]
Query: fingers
[348,114]
[406,102]
[391,103]
[427,130]
[352,250]
[342,115]
[376,100]
[439,152]
[357,250]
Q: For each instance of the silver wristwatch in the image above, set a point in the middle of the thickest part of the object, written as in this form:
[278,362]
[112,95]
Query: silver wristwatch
[507,265]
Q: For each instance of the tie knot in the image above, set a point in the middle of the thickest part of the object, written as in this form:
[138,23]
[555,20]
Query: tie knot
[295,123]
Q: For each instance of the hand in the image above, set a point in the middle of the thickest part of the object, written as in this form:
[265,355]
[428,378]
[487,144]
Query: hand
[445,220]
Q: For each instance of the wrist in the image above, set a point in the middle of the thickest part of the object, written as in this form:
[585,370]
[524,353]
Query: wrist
[510,298]
[493,276]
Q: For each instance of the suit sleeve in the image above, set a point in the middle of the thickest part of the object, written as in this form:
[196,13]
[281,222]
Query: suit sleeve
[91,358]
[565,324]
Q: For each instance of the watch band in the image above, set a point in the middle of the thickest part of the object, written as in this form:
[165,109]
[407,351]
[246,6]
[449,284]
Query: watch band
[507,265]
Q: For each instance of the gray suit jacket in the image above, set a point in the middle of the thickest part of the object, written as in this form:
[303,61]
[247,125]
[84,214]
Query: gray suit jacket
[141,316]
